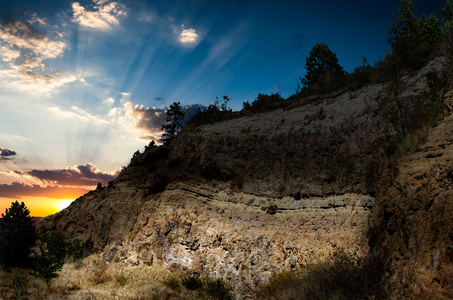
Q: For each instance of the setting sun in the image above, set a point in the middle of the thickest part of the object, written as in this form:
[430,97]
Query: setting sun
[62,204]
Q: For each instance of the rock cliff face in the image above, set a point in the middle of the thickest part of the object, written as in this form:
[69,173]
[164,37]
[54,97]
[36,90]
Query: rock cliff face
[242,199]
[237,237]
[413,216]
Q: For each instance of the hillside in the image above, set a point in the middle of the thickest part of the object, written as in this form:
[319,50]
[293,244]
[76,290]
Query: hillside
[243,199]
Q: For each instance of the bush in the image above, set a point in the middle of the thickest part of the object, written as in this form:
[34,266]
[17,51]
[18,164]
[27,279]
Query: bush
[51,256]
[17,235]
[77,249]
[192,283]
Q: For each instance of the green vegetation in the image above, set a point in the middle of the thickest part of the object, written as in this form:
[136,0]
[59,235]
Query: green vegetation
[413,39]
[17,235]
[51,256]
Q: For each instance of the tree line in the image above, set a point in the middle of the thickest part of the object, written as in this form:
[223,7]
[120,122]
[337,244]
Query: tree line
[413,41]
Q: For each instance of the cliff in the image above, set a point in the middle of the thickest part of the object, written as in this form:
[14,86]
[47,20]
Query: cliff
[242,199]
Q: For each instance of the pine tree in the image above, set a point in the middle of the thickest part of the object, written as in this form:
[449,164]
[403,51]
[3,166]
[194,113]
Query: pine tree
[174,118]
[17,235]
[413,39]
[324,73]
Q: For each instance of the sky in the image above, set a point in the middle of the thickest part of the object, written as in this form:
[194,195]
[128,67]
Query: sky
[84,84]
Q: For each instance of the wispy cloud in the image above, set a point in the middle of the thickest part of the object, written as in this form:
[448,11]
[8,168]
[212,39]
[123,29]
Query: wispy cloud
[77,113]
[25,49]
[227,47]
[101,16]
[6,154]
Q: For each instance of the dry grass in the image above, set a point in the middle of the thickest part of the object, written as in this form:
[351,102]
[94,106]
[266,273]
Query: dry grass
[95,278]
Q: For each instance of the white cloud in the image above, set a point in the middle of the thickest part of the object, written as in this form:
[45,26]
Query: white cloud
[103,16]
[109,100]
[20,35]
[25,51]
[125,96]
[10,54]
[188,36]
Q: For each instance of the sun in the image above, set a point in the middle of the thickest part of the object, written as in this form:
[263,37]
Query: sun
[62,204]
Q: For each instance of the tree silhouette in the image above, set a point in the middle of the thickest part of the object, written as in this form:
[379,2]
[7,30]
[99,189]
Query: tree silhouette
[324,73]
[17,235]
[174,118]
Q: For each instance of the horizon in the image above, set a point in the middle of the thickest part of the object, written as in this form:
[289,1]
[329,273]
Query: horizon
[84,84]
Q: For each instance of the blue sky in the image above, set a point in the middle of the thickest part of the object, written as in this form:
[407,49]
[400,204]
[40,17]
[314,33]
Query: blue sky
[84,84]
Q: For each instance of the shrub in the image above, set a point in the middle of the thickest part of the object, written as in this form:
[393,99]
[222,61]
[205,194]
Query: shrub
[17,235]
[192,283]
[51,256]
[77,249]
[217,289]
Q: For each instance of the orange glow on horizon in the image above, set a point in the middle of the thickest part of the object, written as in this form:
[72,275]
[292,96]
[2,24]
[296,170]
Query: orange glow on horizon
[38,206]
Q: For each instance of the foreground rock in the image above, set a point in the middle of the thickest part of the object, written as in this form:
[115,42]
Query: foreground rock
[239,238]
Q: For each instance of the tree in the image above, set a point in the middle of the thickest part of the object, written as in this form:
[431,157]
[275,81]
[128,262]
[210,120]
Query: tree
[174,118]
[17,235]
[447,22]
[447,13]
[150,146]
[324,73]
[413,39]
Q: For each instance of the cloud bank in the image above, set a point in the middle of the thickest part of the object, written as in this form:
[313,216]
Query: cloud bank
[18,190]
[79,175]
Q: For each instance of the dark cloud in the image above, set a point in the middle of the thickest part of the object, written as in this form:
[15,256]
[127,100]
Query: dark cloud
[152,119]
[81,175]
[6,154]
[18,190]
[159,98]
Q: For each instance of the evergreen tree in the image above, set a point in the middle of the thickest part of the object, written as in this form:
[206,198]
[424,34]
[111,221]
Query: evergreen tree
[413,39]
[174,118]
[447,14]
[324,73]
[17,235]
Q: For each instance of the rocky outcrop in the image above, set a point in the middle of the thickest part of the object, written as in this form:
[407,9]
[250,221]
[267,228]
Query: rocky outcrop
[414,218]
[240,238]
[242,199]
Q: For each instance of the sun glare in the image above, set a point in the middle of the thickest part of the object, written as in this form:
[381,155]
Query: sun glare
[62,204]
